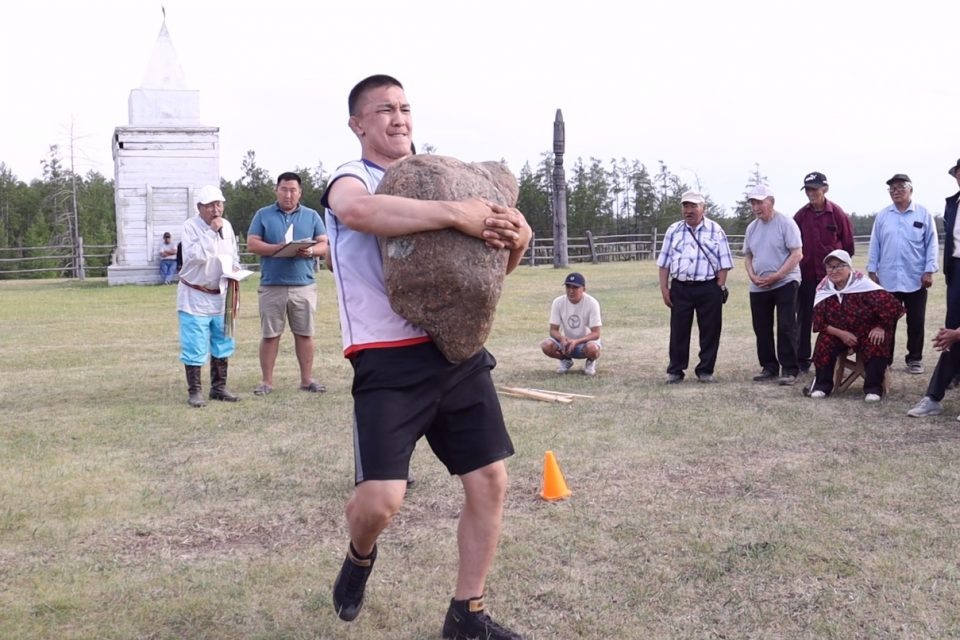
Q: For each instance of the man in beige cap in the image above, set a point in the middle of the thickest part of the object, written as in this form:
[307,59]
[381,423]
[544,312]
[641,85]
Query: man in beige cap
[694,261]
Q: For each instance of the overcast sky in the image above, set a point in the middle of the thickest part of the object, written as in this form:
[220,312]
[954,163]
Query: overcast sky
[857,90]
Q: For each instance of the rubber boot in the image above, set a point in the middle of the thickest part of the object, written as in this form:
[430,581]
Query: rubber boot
[218,381]
[194,386]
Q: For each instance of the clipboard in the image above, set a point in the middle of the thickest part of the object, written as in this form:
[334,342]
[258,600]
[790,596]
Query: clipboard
[290,249]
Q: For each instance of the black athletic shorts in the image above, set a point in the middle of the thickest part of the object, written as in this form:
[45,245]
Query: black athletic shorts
[403,393]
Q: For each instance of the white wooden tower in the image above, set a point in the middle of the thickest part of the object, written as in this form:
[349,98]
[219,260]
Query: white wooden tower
[161,159]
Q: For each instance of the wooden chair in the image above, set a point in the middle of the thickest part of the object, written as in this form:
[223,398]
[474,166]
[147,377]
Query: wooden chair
[850,369]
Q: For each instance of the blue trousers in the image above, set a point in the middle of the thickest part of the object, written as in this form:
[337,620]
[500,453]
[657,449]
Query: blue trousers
[202,336]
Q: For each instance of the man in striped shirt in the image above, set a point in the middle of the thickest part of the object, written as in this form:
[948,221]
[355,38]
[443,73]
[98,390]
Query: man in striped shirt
[694,261]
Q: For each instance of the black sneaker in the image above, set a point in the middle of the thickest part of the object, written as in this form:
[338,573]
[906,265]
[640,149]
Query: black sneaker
[466,620]
[350,583]
[765,376]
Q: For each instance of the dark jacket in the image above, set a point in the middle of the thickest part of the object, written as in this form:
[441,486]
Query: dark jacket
[949,219]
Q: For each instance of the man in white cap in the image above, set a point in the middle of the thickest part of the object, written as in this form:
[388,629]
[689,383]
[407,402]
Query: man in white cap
[694,261]
[903,258]
[208,246]
[772,250]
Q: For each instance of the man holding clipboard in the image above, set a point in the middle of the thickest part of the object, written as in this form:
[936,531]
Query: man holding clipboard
[288,237]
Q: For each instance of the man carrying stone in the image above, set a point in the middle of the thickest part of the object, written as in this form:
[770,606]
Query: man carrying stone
[574,327]
[403,386]
[694,261]
[772,251]
[208,246]
[287,286]
[824,227]
[902,259]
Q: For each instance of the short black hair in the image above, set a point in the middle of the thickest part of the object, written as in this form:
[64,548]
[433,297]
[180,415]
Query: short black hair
[372,82]
[288,175]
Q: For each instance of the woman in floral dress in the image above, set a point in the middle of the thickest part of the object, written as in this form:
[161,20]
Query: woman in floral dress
[852,313]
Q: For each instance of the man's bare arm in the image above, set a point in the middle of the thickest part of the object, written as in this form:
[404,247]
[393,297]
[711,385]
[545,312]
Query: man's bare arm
[387,216]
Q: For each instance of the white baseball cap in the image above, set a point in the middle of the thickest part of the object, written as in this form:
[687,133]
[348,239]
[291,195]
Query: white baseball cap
[760,192]
[841,255]
[210,194]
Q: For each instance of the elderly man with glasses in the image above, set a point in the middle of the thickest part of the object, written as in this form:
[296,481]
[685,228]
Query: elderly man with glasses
[903,258]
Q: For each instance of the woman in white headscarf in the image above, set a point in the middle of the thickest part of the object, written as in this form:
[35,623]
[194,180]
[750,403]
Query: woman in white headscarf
[852,313]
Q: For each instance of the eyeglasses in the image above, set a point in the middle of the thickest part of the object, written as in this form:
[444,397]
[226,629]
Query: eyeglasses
[837,267]
[897,187]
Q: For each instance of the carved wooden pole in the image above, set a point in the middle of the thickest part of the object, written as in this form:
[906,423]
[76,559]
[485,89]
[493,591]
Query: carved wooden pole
[559,195]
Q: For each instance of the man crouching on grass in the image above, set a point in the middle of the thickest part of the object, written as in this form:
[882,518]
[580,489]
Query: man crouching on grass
[403,387]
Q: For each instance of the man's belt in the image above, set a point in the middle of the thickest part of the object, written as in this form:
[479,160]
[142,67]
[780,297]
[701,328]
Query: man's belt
[215,292]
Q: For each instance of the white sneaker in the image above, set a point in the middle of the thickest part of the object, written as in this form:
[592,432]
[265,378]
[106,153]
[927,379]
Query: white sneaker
[818,395]
[565,365]
[871,397]
[926,407]
[590,368]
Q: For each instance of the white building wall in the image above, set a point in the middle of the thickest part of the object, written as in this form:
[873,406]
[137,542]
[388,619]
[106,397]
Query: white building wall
[157,171]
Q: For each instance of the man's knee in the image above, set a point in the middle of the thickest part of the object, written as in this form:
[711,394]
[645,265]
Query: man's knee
[486,485]
[375,502]
[549,347]
[592,351]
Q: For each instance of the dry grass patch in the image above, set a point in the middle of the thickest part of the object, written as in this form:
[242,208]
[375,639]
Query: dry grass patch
[734,510]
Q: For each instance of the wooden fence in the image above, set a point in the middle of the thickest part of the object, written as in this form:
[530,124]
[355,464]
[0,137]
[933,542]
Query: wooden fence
[62,261]
[596,249]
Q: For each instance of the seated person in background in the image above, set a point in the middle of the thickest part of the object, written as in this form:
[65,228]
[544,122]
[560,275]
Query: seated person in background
[574,327]
[852,312]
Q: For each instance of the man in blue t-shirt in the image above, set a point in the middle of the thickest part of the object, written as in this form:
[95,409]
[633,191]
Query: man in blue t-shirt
[287,286]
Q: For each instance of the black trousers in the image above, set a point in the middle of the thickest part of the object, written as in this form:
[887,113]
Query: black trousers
[916,304]
[779,303]
[947,368]
[953,297]
[705,300]
[805,297]
[873,373]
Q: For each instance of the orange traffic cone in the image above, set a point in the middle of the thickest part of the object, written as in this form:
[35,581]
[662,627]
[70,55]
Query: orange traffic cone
[554,486]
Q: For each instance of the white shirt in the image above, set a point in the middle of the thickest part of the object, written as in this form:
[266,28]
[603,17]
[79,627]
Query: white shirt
[575,320]
[202,248]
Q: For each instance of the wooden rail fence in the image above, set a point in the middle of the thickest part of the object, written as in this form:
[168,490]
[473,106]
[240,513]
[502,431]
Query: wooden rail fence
[65,261]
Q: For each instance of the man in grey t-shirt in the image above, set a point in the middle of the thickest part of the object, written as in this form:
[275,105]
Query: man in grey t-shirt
[772,253]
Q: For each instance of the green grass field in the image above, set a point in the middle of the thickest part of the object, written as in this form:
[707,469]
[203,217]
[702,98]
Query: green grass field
[735,510]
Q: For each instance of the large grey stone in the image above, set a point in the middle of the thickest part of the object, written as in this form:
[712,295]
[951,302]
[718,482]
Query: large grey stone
[444,281]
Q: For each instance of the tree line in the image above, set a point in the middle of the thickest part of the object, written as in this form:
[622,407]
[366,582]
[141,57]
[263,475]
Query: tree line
[607,198]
